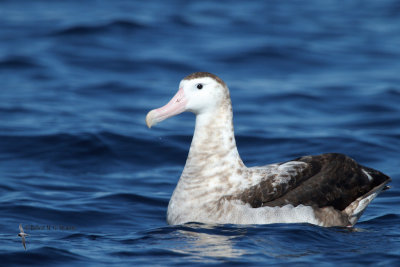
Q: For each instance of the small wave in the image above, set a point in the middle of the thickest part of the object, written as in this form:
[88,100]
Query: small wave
[89,151]
[18,62]
[43,255]
[292,97]
[18,110]
[55,145]
[393,92]
[108,88]
[180,20]
[117,25]
[135,198]
[56,187]
[384,219]
[72,216]
[82,236]
[6,188]
[286,57]
[150,252]
[374,108]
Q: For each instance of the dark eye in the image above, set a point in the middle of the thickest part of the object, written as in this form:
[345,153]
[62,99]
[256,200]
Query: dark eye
[199,86]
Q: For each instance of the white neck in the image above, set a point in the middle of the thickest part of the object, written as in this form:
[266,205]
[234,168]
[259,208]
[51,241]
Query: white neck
[212,169]
[213,151]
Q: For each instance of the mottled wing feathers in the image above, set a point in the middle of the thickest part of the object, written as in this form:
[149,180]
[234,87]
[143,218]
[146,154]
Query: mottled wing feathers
[276,182]
[325,180]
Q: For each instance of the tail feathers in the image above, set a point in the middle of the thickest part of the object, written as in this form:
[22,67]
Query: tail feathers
[375,177]
[357,207]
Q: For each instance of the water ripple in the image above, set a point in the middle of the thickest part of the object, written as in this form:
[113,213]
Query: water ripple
[76,84]
[117,25]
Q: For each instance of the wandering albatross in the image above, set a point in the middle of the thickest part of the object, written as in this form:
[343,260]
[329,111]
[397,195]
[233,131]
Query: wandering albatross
[216,187]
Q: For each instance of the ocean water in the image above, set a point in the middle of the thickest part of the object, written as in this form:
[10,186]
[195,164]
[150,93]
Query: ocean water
[90,183]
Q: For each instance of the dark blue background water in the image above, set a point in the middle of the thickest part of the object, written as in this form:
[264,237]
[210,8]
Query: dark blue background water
[91,184]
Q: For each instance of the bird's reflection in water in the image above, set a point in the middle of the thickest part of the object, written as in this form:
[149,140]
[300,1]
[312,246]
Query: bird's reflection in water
[207,241]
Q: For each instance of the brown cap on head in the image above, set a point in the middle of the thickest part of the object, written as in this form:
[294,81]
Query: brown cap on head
[196,75]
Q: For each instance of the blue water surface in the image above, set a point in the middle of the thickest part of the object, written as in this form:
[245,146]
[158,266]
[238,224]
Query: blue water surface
[90,183]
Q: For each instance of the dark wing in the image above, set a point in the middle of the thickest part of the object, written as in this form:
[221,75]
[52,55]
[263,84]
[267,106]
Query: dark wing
[23,242]
[325,180]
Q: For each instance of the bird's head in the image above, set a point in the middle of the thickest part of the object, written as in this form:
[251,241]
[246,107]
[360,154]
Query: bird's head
[199,92]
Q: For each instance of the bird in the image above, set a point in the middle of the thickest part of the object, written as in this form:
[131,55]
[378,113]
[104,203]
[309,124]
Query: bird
[22,234]
[216,187]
